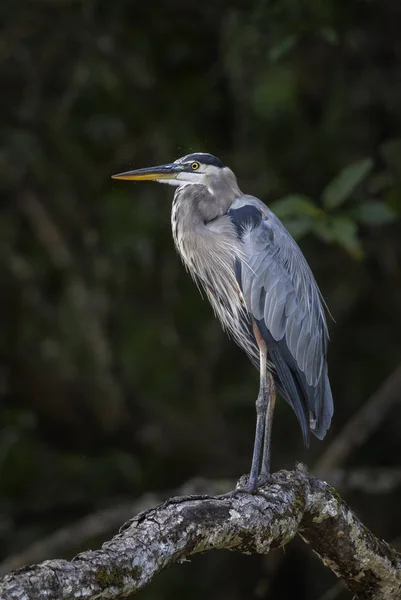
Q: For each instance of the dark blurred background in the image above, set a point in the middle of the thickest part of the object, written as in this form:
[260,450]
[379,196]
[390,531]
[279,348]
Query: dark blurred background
[115,377]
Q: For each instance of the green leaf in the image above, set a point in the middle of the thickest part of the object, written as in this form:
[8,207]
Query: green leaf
[342,186]
[299,228]
[324,231]
[295,205]
[374,213]
[345,232]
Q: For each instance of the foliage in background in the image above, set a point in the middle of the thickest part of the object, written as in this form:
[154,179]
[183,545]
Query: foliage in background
[330,221]
[115,377]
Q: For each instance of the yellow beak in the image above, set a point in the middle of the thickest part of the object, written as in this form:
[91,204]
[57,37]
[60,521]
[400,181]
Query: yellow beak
[169,171]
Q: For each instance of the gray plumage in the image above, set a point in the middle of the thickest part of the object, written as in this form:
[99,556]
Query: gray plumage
[255,276]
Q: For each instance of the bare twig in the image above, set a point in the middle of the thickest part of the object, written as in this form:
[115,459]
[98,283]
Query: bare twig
[333,592]
[100,524]
[103,523]
[361,424]
[293,503]
[76,535]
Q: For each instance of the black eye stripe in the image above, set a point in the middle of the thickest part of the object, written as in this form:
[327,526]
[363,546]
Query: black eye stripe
[203,158]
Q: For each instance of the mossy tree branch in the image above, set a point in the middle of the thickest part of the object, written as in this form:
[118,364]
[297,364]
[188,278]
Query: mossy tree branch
[293,503]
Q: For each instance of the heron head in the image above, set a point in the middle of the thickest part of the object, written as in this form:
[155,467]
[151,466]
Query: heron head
[197,168]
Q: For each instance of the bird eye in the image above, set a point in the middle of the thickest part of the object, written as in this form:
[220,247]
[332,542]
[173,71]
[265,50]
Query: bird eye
[195,166]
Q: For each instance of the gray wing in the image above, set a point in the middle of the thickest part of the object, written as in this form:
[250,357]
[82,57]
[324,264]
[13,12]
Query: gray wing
[282,296]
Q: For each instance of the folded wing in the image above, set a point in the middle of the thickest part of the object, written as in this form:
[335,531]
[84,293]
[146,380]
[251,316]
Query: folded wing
[282,296]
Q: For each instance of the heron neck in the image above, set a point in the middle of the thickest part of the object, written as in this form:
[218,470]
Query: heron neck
[224,187]
[194,206]
[201,228]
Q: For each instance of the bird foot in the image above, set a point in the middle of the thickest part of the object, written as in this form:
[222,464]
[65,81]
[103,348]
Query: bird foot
[245,486]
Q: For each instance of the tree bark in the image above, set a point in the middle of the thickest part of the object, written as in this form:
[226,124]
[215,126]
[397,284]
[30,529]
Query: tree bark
[250,523]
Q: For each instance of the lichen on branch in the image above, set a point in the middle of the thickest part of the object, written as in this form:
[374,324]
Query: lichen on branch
[249,523]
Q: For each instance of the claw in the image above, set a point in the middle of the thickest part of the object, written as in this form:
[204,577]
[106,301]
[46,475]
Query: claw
[245,486]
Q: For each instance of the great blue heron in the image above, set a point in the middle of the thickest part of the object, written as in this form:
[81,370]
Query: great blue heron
[261,288]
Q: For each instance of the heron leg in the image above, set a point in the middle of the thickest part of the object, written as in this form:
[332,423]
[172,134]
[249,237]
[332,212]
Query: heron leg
[261,410]
[271,402]
[261,420]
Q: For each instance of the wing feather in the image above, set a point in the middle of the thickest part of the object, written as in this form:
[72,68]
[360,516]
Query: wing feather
[281,294]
